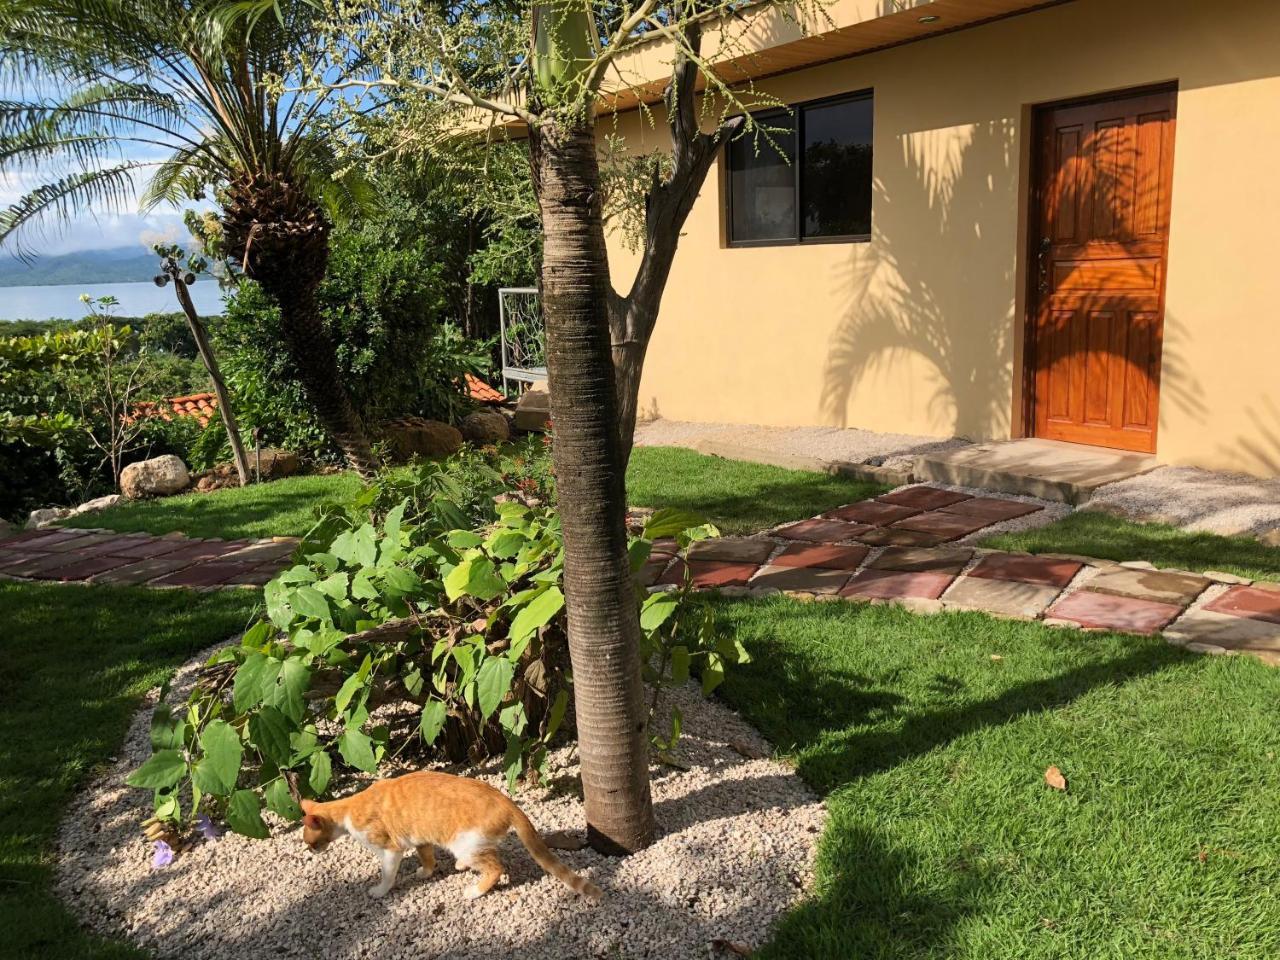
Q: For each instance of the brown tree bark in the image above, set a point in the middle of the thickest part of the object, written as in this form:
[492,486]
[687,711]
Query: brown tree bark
[603,620]
[632,317]
[225,412]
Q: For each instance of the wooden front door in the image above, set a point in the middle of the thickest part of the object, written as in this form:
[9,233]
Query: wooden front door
[1099,236]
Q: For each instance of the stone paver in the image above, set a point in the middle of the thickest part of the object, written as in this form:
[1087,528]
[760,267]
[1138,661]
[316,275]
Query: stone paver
[948,526]
[1225,630]
[709,574]
[1107,612]
[210,574]
[821,531]
[1158,585]
[895,537]
[873,512]
[826,555]
[938,559]
[1255,603]
[992,509]
[801,579]
[897,585]
[735,549]
[924,498]
[1025,568]
[1006,597]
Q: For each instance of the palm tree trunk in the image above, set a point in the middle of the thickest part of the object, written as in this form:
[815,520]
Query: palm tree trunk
[604,627]
[228,415]
[316,366]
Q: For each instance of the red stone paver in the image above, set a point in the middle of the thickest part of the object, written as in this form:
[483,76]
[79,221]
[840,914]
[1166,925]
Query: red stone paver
[1023,568]
[136,572]
[897,585]
[821,531]
[708,574]
[948,526]
[280,549]
[1255,603]
[937,559]
[257,576]
[1107,612]
[991,509]
[70,540]
[801,579]
[208,574]
[827,556]
[924,498]
[873,512]
[897,537]
[85,568]
[732,549]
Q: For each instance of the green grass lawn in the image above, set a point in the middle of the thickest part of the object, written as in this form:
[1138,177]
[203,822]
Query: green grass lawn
[943,840]
[74,662]
[1096,534]
[739,497]
[282,508]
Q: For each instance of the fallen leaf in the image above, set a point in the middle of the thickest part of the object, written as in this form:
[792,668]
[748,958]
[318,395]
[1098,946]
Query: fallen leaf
[1054,778]
[564,840]
[996,656]
[730,946]
[744,749]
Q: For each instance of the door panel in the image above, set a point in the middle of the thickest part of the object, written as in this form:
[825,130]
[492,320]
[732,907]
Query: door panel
[1100,239]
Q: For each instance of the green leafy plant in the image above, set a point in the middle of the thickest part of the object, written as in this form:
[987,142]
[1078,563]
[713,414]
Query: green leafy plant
[395,639]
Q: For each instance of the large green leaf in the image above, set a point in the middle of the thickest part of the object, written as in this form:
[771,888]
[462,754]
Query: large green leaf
[290,689]
[670,521]
[433,717]
[475,576]
[492,683]
[162,769]
[222,753]
[244,815]
[280,800]
[309,602]
[270,730]
[536,613]
[321,771]
[253,678]
[357,750]
[366,547]
[167,729]
[657,609]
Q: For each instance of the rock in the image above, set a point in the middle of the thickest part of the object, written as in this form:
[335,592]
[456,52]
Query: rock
[157,477]
[207,484]
[533,410]
[274,462]
[46,517]
[485,426]
[414,436]
[100,503]
[7,529]
[1270,537]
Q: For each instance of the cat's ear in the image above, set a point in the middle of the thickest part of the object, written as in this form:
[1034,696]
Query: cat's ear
[312,822]
[307,805]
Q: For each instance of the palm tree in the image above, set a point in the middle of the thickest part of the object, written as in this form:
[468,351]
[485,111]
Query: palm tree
[183,98]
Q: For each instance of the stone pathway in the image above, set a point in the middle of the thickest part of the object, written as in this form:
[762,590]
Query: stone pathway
[898,548]
[132,559]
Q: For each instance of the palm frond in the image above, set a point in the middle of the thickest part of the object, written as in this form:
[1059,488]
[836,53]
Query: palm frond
[54,204]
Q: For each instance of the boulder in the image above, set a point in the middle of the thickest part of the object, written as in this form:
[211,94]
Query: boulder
[99,503]
[533,410]
[485,426]
[157,477]
[274,462]
[414,436]
[7,529]
[46,517]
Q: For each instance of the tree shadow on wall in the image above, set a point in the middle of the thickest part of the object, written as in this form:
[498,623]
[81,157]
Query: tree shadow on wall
[943,199]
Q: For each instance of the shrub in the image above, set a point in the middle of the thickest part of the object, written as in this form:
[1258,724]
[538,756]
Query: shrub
[393,635]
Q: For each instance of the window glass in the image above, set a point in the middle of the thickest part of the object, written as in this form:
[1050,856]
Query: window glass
[762,184]
[835,170]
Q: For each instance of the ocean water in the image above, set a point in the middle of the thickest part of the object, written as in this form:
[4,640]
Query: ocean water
[136,300]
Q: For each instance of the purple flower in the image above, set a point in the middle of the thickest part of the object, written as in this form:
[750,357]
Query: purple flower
[163,856]
[207,828]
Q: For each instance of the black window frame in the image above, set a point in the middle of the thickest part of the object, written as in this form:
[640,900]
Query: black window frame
[796,110]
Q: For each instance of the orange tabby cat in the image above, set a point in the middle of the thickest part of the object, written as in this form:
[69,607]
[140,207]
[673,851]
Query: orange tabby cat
[422,811]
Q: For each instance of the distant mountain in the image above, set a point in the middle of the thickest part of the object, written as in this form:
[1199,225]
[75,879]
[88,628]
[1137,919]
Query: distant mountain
[121,265]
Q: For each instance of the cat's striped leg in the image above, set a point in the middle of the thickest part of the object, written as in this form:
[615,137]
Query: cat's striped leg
[490,867]
[389,861]
[426,860]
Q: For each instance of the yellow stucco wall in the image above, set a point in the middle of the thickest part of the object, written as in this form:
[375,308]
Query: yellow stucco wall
[920,329]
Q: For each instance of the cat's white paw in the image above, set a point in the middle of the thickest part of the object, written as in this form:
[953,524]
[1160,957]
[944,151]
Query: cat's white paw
[377,893]
[423,872]
[472,892]
[462,864]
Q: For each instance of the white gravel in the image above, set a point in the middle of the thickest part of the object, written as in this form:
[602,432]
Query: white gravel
[735,852]
[825,443]
[1195,499]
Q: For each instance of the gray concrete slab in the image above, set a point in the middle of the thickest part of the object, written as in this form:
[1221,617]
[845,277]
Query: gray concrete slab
[1158,585]
[1003,597]
[1047,469]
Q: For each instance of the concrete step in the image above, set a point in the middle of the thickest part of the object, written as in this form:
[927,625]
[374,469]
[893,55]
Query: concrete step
[1048,469]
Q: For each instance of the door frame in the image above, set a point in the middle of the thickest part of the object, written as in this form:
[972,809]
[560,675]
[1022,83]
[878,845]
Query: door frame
[1034,198]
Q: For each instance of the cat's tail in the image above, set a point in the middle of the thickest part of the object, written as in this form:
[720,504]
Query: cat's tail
[547,860]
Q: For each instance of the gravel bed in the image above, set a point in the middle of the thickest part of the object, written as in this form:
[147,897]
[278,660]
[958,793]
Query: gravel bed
[1195,499]
[738,833]
[825,443]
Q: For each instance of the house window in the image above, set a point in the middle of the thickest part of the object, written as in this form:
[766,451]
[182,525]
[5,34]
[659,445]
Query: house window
[821,195]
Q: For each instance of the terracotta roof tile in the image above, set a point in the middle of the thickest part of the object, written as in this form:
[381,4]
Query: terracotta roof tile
[200,406]
[481,392]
